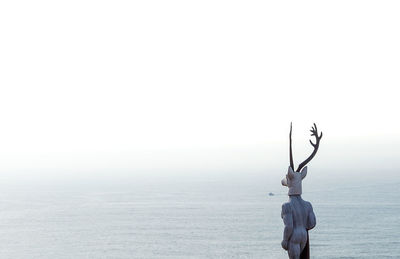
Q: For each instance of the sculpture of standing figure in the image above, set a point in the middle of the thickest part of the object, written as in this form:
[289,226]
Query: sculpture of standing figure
[297,214]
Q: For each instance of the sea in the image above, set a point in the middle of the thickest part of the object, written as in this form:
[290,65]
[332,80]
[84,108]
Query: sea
[221,215]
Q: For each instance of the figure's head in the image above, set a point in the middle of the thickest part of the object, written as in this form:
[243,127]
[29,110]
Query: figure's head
[293,178]
[293,181]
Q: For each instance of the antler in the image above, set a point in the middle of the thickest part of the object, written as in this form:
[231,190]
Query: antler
[314,132]
[290,148]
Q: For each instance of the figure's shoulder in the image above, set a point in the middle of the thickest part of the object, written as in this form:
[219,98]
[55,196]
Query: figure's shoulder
[307,204]
[286,208]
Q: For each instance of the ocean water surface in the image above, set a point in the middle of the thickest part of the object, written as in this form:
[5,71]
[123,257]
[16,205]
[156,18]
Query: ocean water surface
[214,216]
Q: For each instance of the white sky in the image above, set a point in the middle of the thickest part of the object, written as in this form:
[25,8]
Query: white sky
[149,85]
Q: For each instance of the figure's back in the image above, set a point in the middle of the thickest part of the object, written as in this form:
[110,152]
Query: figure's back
[300,211]
[300,218]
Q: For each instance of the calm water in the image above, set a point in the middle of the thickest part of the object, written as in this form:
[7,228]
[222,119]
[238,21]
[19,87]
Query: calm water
[193,217]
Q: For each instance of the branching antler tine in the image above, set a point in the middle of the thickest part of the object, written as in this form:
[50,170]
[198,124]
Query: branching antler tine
[316,146]
[313,130]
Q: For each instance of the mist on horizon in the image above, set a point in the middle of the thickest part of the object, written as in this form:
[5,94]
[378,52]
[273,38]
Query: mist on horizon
[90,95]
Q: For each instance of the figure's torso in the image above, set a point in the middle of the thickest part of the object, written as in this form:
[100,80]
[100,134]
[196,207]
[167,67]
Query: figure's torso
[300,210]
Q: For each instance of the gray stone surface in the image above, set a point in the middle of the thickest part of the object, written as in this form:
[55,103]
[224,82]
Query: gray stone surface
[297,214]
[298,217]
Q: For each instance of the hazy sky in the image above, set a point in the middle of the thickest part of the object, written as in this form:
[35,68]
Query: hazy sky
[151,85]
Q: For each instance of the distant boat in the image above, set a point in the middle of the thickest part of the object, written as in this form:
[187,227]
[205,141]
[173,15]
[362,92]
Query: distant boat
[271,194]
